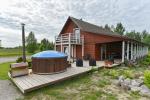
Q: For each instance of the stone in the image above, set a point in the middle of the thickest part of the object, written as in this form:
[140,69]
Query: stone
[141,77]
[140,81]
[116,82]
[137,75]
[125,86]
[127,81]
[120,80]
[145,91]
[135,83]
[135,89]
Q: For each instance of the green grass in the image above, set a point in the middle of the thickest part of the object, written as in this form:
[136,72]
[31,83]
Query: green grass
[11,52]
[4,68]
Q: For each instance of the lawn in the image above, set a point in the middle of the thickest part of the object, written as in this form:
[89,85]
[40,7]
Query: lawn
[11,52]
[4,68]
[95,85]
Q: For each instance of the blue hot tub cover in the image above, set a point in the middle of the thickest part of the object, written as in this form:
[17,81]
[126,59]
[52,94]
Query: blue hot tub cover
[49,54]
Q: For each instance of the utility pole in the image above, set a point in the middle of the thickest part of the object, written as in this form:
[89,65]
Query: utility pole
[23,43]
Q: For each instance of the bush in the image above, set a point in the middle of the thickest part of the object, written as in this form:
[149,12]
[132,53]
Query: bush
[128,74]
[103,83]
[29,64]
[145,61]
[19,59]
[147,78]
[114,74]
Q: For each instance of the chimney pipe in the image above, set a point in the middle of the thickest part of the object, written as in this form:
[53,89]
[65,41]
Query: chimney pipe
[23,43]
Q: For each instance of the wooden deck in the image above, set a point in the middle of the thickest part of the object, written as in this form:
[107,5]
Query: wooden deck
[35,81]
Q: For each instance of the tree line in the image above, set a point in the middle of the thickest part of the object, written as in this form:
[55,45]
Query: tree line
[143,36]
[32,45]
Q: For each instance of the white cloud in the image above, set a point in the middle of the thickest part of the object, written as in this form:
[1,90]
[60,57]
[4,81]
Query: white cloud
[46,17]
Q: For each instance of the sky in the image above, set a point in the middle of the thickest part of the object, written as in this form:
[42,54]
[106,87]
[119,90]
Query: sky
[46,17]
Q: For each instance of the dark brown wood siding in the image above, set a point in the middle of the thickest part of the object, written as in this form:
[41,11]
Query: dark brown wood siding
[92,43]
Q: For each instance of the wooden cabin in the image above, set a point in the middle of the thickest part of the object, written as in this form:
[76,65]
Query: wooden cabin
[80,39]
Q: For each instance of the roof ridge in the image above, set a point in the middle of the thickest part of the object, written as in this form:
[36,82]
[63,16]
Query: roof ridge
[97,26]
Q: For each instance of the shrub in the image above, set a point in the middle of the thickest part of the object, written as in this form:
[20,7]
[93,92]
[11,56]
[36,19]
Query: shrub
[29,64]
[147,78]
[145,61]
[114,73]
[103,83]
[19,59]
[128,74]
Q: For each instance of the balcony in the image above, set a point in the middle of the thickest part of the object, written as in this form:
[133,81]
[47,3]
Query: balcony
[69,38]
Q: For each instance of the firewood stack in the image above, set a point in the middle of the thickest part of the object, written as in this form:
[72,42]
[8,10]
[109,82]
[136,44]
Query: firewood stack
[19,69]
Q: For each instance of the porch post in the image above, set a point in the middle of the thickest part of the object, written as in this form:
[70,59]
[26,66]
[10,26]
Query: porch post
[123,46]
[147,50]
[127,50]
[82,47]
[140,51]
[69,56]
[131,51]
[136,51]
[144,51]
[75,51]
[61,43]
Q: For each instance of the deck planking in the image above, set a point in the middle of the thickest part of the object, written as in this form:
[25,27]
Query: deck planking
[35,81]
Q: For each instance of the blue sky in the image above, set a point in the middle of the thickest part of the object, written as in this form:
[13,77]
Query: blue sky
[46,17]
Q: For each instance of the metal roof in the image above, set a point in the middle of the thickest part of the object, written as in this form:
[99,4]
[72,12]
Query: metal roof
[88,27]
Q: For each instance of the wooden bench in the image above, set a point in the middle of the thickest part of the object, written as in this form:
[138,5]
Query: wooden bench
[19,69]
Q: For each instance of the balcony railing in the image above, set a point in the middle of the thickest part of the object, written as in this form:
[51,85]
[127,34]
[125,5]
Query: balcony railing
[68,38]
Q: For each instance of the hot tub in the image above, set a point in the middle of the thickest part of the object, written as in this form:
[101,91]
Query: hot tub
[48,62]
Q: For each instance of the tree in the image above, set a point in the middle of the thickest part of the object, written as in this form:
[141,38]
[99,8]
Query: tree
[119,29]
[138,36]
[147,40]
[144,34]
[31,43]
[46,45]
[134,35]
[131,34]
[107,27]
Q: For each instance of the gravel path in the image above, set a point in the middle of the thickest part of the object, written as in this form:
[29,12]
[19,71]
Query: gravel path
[9,59]
[8,91]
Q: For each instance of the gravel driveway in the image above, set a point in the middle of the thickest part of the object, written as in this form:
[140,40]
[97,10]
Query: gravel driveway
[9,59]
[8,91]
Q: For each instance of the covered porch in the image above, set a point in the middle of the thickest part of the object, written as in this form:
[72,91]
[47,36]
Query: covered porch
[120,50]
[105,51]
